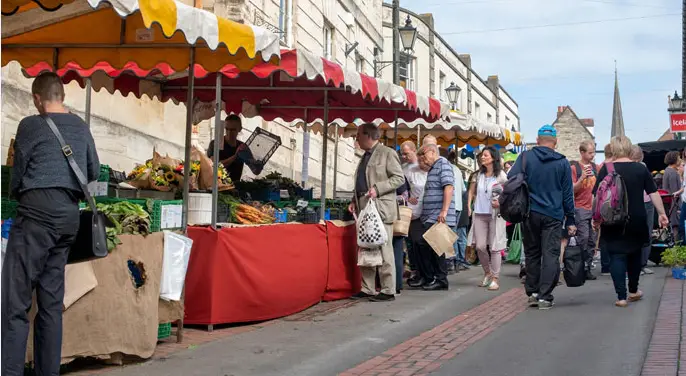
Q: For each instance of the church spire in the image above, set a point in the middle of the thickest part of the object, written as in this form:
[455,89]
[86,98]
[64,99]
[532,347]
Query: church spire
[617,119]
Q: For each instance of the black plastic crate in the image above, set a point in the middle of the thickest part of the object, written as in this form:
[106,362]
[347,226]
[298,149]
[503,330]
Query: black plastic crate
[222,213]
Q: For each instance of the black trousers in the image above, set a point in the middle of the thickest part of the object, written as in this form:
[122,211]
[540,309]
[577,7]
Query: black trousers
[430,265]
[541,236]
[35,259]
[414,240]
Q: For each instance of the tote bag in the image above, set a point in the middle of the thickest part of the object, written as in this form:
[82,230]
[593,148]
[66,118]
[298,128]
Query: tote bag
[401,227]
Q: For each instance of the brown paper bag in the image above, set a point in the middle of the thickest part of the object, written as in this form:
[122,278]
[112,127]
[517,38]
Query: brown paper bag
[206,171]
[79,280]
[142,182]
[441,239]
[158,160]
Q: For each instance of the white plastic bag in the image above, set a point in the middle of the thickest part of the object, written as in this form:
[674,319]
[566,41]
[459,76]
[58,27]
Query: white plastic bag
[369,257]
[177,252]
[371,231]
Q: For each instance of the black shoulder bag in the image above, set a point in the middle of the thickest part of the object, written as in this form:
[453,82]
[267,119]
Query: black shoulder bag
[91,240]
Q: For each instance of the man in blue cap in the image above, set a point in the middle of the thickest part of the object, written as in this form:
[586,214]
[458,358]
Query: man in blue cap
[549,177]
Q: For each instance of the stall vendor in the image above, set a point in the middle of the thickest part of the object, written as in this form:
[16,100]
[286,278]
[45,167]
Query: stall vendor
[228,155]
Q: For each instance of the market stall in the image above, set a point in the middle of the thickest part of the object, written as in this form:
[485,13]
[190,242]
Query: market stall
[324,91]
[144,33]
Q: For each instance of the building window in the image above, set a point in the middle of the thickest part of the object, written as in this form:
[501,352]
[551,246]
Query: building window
[507,122]
[489,117]
[286,21]
[441,86]
[328,40]
[407,71]
[477,110]
[359,63]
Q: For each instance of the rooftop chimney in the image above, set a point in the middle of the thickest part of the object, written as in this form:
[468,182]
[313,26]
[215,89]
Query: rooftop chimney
[466,59]
[560,110]
[493,83]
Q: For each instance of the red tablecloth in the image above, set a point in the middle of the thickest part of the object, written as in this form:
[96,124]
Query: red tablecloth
[344,275]
[254,273]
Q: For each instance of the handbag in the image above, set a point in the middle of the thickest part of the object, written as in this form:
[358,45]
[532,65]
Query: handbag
[91,239]
[401,227]
[514,254]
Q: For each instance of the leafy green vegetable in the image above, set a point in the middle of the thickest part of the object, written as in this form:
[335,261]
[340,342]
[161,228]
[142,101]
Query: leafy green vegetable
[126,218]
[675,256]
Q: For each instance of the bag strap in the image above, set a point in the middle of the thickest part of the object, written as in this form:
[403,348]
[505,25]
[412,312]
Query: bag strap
[69,154]
[610,167]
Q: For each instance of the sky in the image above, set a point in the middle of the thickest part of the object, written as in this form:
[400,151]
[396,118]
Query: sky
[546,67]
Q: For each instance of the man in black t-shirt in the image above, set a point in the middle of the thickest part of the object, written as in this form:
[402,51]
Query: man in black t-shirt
[228,155]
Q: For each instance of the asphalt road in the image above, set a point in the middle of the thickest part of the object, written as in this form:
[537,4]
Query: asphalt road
[584,334]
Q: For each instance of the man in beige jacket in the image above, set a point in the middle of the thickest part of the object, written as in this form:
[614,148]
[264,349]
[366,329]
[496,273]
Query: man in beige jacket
[378,176]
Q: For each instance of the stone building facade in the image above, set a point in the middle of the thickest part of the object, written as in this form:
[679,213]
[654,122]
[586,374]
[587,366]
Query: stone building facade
[126,129]
[571,131]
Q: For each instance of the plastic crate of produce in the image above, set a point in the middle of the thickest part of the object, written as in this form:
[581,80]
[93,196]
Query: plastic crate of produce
[305,194]
[280,216]
[8,208]
[104,173]
[266,195]
[308,217]
[164,331]
[159,220]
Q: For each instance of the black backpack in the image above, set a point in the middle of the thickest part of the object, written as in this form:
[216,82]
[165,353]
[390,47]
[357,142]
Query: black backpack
[514,201]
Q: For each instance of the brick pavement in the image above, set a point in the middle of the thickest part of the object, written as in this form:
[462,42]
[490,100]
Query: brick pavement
[667,347]
[426,352]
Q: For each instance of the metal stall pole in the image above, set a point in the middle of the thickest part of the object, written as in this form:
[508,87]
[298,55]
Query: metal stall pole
[395,147]
[217,136]
[89,92]
[419,136]
[306,154]
[189,131]
[325,143]
[335,162]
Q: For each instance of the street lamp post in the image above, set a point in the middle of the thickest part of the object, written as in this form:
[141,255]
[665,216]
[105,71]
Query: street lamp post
[453,92]
[407,35]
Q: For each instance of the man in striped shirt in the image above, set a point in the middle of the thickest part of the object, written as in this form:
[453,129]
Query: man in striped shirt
[437,206]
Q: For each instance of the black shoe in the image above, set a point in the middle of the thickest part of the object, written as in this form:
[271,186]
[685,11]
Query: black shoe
[435,285]
[383,298]
[361,295]
[415,282]
[590,276]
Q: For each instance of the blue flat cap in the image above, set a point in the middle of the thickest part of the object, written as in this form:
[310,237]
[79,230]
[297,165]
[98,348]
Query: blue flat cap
[547,130]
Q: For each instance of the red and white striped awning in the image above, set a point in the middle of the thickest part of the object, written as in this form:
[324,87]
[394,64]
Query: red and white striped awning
[292,90]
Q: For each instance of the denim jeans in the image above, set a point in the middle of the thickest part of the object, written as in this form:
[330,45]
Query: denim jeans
[399,256]
[460,245]
[622,265]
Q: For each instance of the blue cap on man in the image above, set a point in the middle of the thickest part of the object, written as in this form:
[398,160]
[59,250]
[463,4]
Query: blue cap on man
[547,131]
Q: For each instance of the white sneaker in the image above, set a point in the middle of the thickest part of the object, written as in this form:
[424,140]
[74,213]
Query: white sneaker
[486,282]
[647,271]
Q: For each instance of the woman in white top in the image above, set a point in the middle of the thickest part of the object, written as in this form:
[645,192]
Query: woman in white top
[487,225]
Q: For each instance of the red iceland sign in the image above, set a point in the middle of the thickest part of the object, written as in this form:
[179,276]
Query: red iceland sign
[678,121]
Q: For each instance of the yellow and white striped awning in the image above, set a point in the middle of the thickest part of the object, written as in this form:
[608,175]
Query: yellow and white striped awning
[147,32]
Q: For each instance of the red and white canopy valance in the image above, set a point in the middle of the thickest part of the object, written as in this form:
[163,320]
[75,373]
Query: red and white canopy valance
[292,90]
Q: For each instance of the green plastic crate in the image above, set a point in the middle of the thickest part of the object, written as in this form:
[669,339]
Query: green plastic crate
[104,173]
[156,214]
[164,331]
[8,208]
